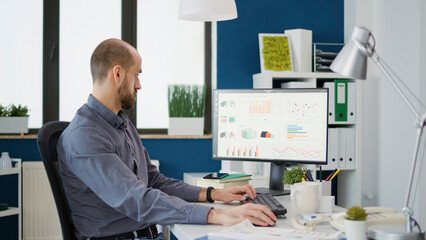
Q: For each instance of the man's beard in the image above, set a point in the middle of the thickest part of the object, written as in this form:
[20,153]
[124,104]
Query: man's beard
[127,99]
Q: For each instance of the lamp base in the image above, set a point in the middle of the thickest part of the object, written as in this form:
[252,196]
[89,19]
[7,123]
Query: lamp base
[392,232]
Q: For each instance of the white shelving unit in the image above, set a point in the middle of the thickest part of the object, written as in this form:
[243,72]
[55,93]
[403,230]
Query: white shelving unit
[349,179]
[15,210]
[265,80]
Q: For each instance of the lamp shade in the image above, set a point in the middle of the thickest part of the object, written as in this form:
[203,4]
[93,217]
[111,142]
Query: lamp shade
[352,59]
[207,10]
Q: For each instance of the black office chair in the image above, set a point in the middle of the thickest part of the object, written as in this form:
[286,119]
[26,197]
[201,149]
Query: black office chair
[47,139]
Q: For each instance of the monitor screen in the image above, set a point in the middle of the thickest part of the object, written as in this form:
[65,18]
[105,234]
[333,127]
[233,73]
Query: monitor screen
[273,125]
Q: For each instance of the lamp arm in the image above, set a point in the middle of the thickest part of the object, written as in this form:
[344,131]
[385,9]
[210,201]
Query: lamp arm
[386,72]
[421,121]
[407,209]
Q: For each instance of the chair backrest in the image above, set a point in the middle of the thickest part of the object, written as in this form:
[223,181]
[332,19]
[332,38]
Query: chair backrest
[47,139]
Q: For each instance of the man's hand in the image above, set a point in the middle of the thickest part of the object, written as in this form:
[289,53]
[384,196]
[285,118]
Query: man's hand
[256,213]
[231,194]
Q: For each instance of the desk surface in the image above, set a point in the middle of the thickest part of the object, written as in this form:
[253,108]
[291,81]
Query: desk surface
[193,231]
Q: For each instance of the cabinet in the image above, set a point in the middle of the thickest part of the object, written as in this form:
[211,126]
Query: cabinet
[349,179]
[16,169]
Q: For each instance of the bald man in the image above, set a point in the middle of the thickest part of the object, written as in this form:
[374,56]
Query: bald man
[113,190]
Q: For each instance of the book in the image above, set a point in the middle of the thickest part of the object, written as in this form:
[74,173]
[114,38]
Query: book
[216,184]
[231,178]
[235,177]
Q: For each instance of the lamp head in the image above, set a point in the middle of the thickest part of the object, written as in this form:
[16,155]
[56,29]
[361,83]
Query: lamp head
[207,10]
[352,59]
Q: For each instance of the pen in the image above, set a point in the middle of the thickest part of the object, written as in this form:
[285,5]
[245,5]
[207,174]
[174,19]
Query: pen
[320,173]
[331,174]
[306,175]
[310,175]
[338,170]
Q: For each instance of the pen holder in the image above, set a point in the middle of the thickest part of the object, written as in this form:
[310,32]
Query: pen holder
[324,188]
[325,204]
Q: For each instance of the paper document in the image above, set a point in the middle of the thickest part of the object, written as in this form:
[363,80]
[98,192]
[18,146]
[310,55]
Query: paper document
[246,230]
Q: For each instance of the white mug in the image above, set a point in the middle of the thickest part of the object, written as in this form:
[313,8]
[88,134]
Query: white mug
[305,195]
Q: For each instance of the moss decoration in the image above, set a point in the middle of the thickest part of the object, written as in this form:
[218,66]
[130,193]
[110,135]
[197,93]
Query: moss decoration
[276,53]
[186,100]
[356,213]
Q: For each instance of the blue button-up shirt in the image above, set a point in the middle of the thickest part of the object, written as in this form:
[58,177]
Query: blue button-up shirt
[109,181]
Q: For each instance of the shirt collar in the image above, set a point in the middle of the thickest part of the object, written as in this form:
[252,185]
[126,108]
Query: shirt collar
[115,120]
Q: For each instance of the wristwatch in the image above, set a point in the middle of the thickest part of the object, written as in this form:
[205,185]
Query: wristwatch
[209,195]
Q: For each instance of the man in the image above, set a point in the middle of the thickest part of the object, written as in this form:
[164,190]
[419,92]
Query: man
[113,190]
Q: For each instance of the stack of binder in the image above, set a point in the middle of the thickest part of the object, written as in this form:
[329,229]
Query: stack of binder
[229,181]
[341,101]
[341,148]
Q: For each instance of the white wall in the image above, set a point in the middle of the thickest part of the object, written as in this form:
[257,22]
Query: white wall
[360,13]
[422,92]
[388,131]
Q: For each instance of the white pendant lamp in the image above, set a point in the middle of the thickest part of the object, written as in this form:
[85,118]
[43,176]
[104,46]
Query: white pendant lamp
[207,10]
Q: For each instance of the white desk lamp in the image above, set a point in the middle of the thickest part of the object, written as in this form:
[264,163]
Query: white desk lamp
[352,62]
[207,10]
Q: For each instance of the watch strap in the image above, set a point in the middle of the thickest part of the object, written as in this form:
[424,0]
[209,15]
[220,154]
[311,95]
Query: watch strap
[209,195]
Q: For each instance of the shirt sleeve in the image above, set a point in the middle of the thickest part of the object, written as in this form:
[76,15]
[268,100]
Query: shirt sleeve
[91,157]
[170,186]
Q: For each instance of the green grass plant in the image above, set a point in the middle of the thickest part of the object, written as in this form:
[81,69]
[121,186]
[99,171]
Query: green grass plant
[186,100]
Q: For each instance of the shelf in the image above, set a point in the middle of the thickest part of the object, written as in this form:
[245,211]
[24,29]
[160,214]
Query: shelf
[283,75]
[16,169]
[9,212]
[13,170]
[331,169]
[341,123]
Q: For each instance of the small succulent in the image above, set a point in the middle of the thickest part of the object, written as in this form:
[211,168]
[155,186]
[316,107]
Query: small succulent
[293,176]
[356,213]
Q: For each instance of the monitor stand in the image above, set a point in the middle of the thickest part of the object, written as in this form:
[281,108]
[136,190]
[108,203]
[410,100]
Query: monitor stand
[276,185]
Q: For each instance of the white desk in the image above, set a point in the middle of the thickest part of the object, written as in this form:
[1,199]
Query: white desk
[192,231]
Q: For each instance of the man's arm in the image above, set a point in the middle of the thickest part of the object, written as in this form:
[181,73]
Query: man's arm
[100,169]
[256,213]
[228,195]
[170,186]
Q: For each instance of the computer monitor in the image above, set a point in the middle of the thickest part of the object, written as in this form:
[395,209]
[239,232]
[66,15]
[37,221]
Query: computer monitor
[271,125]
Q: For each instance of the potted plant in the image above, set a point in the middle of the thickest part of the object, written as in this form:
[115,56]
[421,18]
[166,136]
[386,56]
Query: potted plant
[291,177]
[355,223]
[14,119]
[186,109]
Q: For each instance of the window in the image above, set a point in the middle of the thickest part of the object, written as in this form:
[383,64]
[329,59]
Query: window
[21,47]
[83,25]
[172,51]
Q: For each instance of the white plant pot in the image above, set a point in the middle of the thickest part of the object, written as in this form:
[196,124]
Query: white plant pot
[13,124]
[186,126]
[355,230]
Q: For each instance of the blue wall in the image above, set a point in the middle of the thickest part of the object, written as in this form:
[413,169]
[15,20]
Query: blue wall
[238,60]
[237,43]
